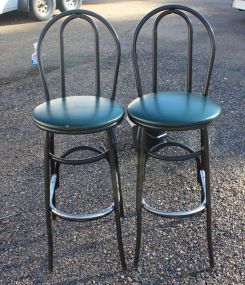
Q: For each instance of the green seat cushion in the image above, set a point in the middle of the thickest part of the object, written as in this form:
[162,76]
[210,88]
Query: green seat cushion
[173,110]
[77,114]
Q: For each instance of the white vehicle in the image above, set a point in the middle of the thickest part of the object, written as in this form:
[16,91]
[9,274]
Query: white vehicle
[239,4]
[39,9]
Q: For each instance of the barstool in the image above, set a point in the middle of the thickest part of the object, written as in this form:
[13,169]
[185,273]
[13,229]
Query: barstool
[174,111]
[79,115]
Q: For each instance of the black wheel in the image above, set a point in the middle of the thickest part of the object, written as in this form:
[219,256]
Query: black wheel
[65,5]
[42,10]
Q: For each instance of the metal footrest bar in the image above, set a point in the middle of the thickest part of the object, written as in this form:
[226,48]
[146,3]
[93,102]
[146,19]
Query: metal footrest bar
[61,159]
[203,184]
[181,214]
[193,154]
[75,217]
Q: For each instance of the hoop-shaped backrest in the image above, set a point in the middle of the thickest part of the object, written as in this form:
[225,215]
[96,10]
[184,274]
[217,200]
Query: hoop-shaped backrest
[164,11]
[88,17]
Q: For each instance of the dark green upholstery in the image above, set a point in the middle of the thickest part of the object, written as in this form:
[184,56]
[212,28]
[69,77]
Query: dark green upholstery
[77,114]
[173,110]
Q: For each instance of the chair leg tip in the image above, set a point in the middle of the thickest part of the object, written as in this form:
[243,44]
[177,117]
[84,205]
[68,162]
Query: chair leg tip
[211,267]
[124,267]
[122,215]
[135,265]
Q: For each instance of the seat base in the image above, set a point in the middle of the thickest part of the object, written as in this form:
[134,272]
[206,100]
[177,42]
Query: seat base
[203,178]
[52,164]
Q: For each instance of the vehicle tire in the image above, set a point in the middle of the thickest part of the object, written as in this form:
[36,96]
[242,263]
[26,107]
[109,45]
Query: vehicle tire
[65,5]
[42,10]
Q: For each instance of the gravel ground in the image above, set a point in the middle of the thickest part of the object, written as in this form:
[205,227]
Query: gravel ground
[173,251]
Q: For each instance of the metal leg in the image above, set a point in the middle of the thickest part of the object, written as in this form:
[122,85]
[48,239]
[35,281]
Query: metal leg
[57,172]
[51,150]
[201,166]
[114,145]
[52,163]
[116,195]
[139,190]
[208,196]
[47,199]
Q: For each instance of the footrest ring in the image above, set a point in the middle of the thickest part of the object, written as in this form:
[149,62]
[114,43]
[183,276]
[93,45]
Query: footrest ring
[75,217]
[178,214]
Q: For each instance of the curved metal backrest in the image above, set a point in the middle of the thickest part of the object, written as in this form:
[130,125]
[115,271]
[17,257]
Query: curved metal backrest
[164,11]
[88,17]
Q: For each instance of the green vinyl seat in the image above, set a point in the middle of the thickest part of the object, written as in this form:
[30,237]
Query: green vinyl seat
[173,110]
[78,114]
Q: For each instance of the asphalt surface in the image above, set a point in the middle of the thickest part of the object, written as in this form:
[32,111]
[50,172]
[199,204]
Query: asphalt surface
[173,251]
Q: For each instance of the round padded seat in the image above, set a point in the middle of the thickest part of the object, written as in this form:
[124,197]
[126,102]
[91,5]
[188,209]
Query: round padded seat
[77,114]
[173,110]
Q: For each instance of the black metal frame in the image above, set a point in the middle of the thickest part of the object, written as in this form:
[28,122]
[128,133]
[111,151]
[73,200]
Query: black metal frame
[52,162]
[201,156]
[87,16]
